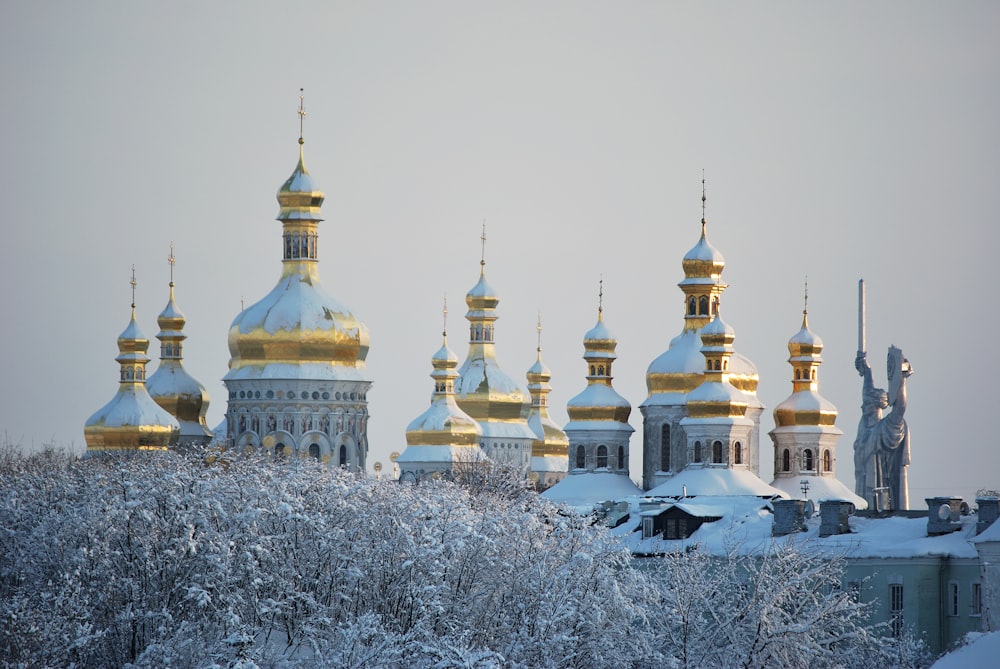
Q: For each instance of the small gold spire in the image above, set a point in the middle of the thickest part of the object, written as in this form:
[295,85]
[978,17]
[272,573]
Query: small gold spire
[302,114]
[444,317]
[133,284]
[539,329]
[600,299]
[703,199]
[805,302]
[482,258]
[171,260]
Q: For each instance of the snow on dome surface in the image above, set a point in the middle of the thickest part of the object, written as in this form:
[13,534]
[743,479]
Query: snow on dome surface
[482,288]
[598,395]
[821,488]
[704,251]
[806,336]
[716,481]
[443,416]
[297,303]
[589,488]
[807,400]
[682,357]
[599,332]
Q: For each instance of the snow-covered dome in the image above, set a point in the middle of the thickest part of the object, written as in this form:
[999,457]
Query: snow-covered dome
[549,450]
[131,420]
[298,330]
[599,401]
[170,385]
[443,423]
[483,389]
[703,259]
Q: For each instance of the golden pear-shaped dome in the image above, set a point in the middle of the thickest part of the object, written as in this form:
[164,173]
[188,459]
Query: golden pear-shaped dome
[599,401]
[170,385]
[550,441]
[443,423]
[805,406]
[298,330]
[131,420]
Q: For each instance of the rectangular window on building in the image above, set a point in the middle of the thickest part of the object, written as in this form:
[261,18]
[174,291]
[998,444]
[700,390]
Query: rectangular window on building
[977,599]
[952,604]
[896,609]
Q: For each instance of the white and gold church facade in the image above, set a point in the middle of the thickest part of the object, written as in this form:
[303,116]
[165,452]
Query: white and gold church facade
[297,386]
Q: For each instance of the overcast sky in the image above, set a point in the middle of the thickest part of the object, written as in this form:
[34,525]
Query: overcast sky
[838,141]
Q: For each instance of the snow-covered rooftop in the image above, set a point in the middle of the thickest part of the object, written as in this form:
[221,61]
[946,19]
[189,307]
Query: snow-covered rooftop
[587,488]
[717,481]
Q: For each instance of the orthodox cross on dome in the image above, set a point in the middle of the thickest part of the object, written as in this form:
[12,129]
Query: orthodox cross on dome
[805,298]
[539,329]
[444,317]
[171,260]
[600,299]
[302,114]
[703,198]
[482,258]
[133,284]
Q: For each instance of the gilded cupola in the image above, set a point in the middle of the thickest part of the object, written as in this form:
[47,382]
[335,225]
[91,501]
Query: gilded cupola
[678,370]
[551,441]
[716,396]
[805,406]
[298,329]
[443,423]
[599,401]
[484,390]
[170,385]
[131,420]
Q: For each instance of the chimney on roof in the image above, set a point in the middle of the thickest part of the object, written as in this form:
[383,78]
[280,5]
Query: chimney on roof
[833,515]
[989,510]
[789,516]
[944,514]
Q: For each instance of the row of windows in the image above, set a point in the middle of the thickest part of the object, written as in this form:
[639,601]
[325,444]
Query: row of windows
[170,350]
[601,460]
[808,461]
[301,245]
[975,599]
[805,375]
[719,454]
[282,451]
[308,422]
[699,306]
[137,373]
[598,370]
[480,332]
[291,395]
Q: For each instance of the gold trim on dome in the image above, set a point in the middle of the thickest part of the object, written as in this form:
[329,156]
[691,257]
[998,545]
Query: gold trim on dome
[716,409]
[467,437]
[673,382]
[334,347]
[791,417]
[746,383]
[594,413]
[130,437]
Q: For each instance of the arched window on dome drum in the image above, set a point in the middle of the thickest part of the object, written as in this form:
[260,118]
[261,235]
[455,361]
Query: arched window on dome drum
[798,375]
[581,457]
[807,460]
[593,370]
[738,453]
[665,448]
[718,365]
[343,455]
[786,461]
[814,375]
[602,456]
[600,370]
[692,306]
[717,452]
[703,305]
[314,451]
[621,458]
[697,451]
[827,463]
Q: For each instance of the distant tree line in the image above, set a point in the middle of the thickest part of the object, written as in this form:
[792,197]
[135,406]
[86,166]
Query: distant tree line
[139,560]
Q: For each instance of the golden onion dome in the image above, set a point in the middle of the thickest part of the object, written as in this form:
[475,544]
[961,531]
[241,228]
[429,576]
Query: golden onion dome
[805,406]
[443,423]
[550,440]
[131,420]
[483,389]
[298,325]
[599,401]
[716,397]
[170,385]
[703,261]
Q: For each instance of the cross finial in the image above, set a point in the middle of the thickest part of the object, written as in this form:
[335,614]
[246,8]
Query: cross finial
[133,284]
[444,317]
[171,260]
[703,198]
[805,297]
[600,299]
[482,258]
[302,113]
[241,303]
[539,329]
